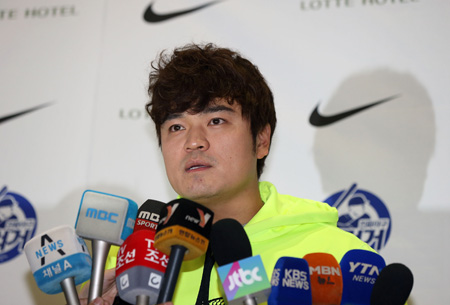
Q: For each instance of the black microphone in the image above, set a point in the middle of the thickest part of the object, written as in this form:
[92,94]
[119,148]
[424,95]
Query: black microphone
[148,215]
[183,234]
[229,242]
[242,275]
[393,285]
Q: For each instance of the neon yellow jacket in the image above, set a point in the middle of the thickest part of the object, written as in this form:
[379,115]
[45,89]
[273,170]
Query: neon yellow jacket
[285,226]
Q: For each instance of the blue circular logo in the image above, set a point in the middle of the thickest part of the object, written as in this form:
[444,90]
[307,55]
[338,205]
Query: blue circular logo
[17,224]
[363,214]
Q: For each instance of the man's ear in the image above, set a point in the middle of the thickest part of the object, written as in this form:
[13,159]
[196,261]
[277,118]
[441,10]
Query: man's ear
[263,142]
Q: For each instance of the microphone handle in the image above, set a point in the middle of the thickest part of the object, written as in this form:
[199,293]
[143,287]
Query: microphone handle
[170,277]
[100,249]
[249,301]
[142,299]
[70,291]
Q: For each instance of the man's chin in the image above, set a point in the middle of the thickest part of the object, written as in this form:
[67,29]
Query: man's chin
[203,197]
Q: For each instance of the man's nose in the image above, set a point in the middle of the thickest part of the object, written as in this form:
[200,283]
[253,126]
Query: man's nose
[196,140]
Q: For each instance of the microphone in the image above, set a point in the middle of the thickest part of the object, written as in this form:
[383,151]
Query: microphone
[290,282]
[105,219]
[59,261]
[242,275]
[360,269]
[326,278]
[393,285]
[182,233]
[140,269]
[148,215]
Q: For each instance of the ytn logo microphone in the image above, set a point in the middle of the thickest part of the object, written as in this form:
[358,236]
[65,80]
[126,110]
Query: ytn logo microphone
[369,268]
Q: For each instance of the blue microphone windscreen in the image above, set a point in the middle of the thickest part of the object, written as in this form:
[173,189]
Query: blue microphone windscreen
[290,282]
[360,269]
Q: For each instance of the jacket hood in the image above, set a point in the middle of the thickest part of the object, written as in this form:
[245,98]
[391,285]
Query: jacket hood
[280,213]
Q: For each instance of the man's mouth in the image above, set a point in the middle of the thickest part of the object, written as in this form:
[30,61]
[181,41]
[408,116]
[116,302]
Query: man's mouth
[196,166]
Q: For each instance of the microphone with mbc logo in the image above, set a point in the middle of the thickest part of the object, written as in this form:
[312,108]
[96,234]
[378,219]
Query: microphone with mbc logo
[59,260]
[105,219]
[183,234]
[242,275]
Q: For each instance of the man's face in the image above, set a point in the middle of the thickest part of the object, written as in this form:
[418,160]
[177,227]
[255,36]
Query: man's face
[210,156]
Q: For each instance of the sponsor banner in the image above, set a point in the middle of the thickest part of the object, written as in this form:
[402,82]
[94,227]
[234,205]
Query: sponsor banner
[363,214]
[18,222]
[50,59]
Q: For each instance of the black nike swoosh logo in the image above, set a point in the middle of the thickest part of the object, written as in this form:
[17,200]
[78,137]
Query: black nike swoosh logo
[318,120]
[18,114]
[151,16]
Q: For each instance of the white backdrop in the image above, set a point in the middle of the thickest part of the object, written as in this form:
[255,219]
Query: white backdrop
[87,63]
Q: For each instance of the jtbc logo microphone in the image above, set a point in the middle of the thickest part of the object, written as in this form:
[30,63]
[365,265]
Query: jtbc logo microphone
[244,277]
[59,260]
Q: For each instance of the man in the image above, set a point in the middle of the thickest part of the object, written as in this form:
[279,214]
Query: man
[215,118]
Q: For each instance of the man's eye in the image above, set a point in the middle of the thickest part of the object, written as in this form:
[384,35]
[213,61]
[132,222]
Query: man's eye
[174,128]
[217,121]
